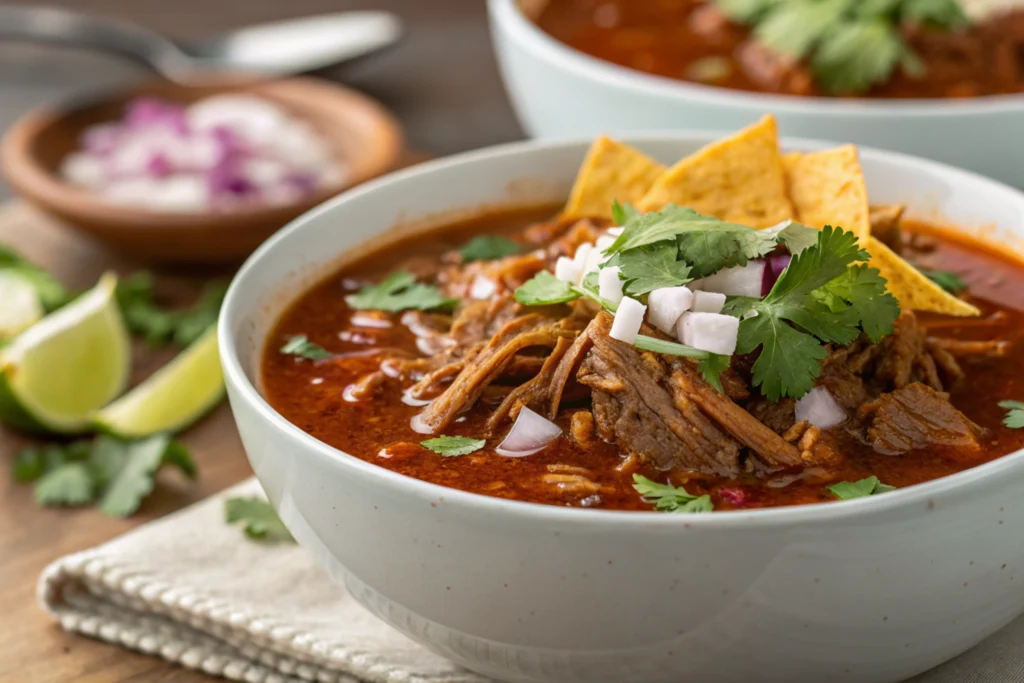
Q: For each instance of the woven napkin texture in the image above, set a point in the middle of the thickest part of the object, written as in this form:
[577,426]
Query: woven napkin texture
[191,589]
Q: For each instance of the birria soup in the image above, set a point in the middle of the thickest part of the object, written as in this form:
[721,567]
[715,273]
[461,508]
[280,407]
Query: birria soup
[891,49]
[691,355]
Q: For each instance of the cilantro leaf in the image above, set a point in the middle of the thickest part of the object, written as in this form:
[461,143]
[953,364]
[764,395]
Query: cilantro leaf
[544,289]
[869,486]
[52,294]
[795,27]
[259,519]
[1014,414]
[790,358]
[68,484]
[157,325]
[854,55]
[623,213]
[130,470]
[950,282]
[449,446]
[300,346]
[668,498]
[938,13]
[488,248]
[862,290]
[398,292]
[794,236]
[712,367]
[652,267]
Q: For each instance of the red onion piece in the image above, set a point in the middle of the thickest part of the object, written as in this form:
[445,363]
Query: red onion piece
[529,434]
[776,262]
[738,497]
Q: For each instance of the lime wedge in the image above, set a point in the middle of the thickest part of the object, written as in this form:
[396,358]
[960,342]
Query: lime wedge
[55,374]
[21,307]
[177,395]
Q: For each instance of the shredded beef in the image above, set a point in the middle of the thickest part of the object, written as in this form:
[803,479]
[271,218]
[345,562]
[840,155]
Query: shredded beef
[916,416]
[885,225]
[635,409]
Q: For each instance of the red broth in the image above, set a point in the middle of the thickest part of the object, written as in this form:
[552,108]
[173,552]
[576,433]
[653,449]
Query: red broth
[312,395]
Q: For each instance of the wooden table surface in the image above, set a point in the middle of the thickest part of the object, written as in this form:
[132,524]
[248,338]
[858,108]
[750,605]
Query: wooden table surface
[442,83]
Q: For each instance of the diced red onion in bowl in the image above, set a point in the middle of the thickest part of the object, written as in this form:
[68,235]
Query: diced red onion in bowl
[820,409]
[529,434]
[221,153]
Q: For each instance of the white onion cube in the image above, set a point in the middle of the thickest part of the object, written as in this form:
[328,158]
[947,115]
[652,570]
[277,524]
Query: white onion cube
[666,305]
[712,332]
[610,284]
[594,260]
[566,270]
[820,409]
[738,280]
[628,318]
[84,169]
[708,302]
[615,232]
[602,244]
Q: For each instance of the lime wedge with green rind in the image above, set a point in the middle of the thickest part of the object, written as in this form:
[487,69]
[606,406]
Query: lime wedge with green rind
[20,307]
[58,372]
[173,398]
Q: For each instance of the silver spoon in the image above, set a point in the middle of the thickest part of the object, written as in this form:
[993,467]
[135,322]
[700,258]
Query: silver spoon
[266,50]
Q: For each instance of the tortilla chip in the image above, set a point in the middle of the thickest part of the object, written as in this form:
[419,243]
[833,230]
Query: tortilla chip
[738,179]
[827,188]
[612,171]
[911,287]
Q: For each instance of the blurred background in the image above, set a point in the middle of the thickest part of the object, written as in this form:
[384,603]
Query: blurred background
[440,80]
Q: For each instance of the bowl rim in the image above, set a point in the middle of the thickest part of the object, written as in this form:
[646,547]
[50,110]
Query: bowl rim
[47,189]
[507,14]
[959,485]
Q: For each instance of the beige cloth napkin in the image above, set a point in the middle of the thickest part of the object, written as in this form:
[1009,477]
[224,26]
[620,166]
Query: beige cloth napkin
[189,588]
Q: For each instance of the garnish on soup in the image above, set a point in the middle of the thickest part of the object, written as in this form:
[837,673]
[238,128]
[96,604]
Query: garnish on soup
[658,356]
[892,49]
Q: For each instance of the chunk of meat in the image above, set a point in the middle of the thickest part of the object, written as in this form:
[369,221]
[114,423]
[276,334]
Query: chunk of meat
[904,358]
[916,416]
[779,417]
[634,409]
[582,427]
[885,225]
[771,449]
[486,365]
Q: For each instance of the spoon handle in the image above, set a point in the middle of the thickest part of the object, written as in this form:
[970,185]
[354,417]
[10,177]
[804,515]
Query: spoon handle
[67,27]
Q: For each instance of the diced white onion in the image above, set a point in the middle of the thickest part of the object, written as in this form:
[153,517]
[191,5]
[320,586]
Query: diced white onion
[582,253]
[482,288]
[603,242]
[781,225]
[615,232]
[738,280]
[820,409]
[566,270]
[708,302]
[610,284]
[529,434]
[84,169]
[665,305]
[711,332]
[628,318]
[594,260]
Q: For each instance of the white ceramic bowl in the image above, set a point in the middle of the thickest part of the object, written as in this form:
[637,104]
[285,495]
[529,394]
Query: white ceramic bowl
[560,92]
[875,589]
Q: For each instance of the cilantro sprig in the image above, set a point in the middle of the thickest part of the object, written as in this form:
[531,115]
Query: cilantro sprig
[818,299]
[488,248]
[869,486]
[300,346]
[451,446]
[116,474]
[398,292]
[950,282]
[850,45]
[258,518]
[158,325]
[668,498]
[1014,414]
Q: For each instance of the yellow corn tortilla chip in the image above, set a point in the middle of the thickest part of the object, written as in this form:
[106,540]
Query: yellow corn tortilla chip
[612,171]
[738,179]
[911,287]
[827,188]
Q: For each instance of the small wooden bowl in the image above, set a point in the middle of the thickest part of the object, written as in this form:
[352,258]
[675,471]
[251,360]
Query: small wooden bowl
[362,132]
